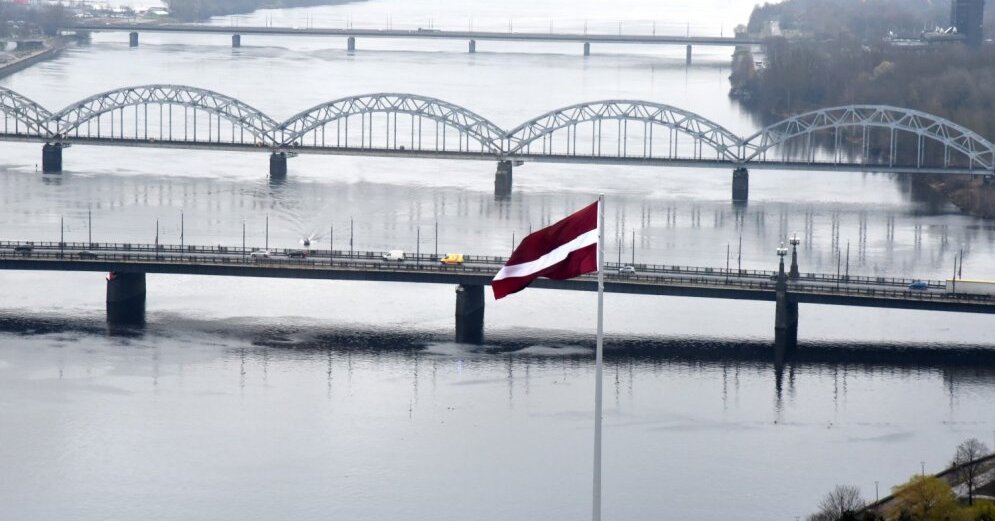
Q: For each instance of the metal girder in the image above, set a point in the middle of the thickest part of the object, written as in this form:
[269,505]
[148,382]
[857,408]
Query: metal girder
[978,150]
[23,110]
[234,111]
[468,123]
[702,130]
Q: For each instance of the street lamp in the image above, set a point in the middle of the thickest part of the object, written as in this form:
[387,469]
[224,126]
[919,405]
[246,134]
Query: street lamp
[795,241]
[781,252]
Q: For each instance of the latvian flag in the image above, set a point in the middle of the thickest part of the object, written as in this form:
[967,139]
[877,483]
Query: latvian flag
[562,251]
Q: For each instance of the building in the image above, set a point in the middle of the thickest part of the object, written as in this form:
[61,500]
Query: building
[967,16]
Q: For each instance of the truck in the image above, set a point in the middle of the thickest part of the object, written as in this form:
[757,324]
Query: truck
[971,287]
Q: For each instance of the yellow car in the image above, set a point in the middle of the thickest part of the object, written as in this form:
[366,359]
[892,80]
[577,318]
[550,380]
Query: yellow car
[452,259]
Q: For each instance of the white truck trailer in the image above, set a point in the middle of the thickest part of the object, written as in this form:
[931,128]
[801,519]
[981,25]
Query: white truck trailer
[971,287]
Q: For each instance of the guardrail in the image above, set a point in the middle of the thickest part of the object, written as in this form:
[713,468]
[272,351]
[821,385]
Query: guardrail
[481,259]
[371,261]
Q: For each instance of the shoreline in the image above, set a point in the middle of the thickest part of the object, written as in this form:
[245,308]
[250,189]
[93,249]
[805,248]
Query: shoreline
[53,47]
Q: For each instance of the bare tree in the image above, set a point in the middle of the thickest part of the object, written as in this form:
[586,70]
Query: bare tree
[842,503]
[967,465]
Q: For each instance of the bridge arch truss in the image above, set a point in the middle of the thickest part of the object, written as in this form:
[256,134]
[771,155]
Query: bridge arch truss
[23,116]
[179,114]
[392,121]
[641,130]
[869,135]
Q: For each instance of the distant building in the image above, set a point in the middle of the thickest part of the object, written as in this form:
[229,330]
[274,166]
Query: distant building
[967,16]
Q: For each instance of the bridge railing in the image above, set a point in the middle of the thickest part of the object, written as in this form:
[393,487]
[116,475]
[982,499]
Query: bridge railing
[370,261]
[497,261]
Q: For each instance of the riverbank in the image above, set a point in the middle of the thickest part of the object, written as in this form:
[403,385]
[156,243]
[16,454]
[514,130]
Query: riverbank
[14,61]
[200,10]
[818,67]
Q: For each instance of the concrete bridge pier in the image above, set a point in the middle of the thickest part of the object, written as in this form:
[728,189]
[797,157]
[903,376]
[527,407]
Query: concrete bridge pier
[350,44]
[740,185]
[688,61]
[469,314]
[236,41]
[472,48]
[133,39]
[51,158]
[587,48]
[278,164]
[502,180]
[785,319]
[125,298]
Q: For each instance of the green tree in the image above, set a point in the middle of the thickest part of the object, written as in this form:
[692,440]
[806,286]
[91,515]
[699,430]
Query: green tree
[925,498]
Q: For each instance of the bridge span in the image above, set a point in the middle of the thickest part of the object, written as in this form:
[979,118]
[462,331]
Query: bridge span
[128,264]
[867,138]
[470,36]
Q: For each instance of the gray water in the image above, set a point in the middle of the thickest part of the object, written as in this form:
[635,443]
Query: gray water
[263,399]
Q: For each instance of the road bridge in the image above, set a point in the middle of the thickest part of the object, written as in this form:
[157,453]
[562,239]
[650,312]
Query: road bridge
[866,138]
[471,37]
[128,264]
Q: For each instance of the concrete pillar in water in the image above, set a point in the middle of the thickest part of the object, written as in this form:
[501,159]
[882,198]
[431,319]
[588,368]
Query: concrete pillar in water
[502,180]
[236,41]
[278,164]
[51,158]
[785,319]
[740,185]
[126,298]
[689,55]
[472,48]
[350,44]
[133,39]
[469,314]
[587,48]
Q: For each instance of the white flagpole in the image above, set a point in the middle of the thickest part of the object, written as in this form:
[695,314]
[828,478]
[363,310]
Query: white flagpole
[598,355]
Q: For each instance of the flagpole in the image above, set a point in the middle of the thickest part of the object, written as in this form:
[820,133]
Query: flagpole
[598,358]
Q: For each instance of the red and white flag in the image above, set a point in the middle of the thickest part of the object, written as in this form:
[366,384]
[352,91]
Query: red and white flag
[561,251]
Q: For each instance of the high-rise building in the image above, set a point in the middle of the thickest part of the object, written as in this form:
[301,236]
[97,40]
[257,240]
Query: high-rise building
[967,16]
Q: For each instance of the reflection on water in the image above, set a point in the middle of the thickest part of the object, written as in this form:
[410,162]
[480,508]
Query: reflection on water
[340,413]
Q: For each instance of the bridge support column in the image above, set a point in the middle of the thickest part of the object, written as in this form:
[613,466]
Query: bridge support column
[278,164]
[785,319]
[350,44]
[469,314]
[688,61]
[587,48]
[740,185]
[502,180]
[125,298]
[472,47]
[133,39]
[236,41]
[51,158]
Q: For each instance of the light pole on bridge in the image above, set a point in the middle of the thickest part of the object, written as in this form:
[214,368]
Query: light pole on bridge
[794,241]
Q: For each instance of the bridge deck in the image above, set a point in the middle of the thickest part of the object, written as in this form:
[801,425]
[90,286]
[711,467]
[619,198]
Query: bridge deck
[367,266]
[422,33]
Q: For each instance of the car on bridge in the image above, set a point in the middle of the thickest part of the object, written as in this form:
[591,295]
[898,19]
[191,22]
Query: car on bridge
[452,259]
[23,249]
[627,271]
[86,254]
[260,255]
[919,285]
[297,254]
[394,255]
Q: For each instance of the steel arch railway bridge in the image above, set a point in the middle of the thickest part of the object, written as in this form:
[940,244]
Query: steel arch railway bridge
[620,132]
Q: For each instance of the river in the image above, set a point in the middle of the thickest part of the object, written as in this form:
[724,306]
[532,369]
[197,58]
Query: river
[263,399]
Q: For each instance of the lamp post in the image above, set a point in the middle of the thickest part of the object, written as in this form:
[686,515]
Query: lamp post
[266,244]
[795,241]
[62,237]
[89,227]
[877,496]
[781,278]
[922,468]
[243,240]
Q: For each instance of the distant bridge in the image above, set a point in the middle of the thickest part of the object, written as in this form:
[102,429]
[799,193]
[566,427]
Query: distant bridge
[472,37]
[872,138]
[128,264]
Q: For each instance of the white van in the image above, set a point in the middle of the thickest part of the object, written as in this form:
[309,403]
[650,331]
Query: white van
[394,255]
